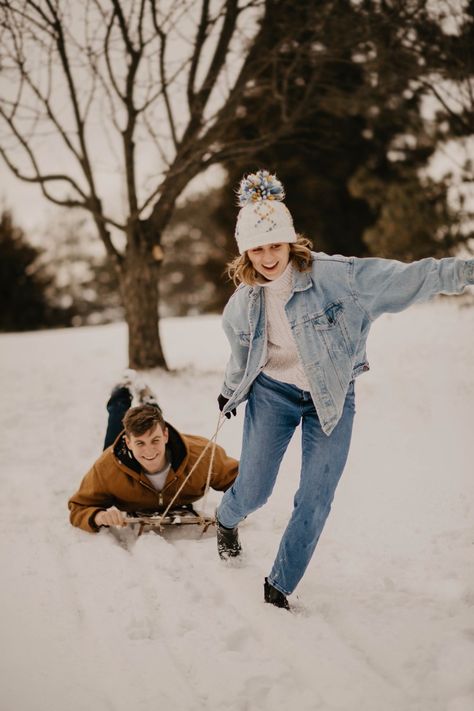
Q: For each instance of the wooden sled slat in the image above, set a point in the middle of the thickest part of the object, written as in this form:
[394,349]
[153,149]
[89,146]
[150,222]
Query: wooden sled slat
[173,518]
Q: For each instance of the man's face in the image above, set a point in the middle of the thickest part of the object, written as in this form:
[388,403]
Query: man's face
[270,260]
[149,449]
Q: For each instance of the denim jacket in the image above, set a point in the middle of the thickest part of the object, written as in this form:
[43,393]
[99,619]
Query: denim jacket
[330,311]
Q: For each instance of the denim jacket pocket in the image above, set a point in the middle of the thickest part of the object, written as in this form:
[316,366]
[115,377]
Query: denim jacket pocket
[328,318]
[244,338]
[327,330]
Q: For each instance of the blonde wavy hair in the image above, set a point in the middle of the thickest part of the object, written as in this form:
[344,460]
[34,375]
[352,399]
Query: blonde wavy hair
[241,270]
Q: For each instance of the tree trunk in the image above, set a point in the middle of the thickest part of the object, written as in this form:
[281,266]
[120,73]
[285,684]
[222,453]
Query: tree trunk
[139,280]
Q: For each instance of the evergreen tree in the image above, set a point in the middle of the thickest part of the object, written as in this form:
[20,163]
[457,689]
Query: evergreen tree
[24,305]
[196,251]
[354,165]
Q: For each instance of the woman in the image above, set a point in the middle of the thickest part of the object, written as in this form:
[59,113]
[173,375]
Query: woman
[297,327]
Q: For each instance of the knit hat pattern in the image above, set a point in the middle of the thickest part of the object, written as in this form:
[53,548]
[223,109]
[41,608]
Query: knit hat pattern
[263,217]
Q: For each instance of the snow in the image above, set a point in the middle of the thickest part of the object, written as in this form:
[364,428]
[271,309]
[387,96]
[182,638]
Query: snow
[382,620]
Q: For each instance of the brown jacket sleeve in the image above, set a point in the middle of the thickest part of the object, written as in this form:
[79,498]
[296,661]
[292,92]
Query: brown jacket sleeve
[224,470]
[91,497]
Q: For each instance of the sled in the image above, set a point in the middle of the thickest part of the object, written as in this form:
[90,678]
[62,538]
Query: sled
[181,516]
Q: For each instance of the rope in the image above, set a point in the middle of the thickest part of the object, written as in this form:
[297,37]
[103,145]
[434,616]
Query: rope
[212,442]
[220,422]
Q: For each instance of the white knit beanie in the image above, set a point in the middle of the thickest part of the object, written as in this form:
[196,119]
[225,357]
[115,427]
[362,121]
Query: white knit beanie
[263,217]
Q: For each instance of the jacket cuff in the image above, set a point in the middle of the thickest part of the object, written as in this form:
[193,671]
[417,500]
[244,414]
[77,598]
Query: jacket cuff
[92,522]
[226,392]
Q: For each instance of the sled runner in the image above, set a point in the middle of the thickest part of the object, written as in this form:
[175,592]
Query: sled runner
[182,515]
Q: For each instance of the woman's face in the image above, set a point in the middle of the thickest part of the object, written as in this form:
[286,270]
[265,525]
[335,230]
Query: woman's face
[270,260]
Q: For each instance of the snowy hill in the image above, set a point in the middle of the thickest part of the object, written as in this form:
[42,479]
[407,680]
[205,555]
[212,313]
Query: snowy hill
[383,619]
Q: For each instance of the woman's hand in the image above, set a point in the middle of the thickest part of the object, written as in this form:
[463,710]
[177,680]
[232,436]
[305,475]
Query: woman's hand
[222,403]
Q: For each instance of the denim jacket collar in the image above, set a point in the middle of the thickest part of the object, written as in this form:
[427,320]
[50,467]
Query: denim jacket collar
[301,280]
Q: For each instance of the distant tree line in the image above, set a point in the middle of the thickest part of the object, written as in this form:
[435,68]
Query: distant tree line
[55,284]
[23,284]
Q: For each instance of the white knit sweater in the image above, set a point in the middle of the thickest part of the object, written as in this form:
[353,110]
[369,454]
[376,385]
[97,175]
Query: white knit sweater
[283,362]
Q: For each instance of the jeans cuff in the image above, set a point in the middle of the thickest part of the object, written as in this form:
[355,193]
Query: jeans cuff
[277,587]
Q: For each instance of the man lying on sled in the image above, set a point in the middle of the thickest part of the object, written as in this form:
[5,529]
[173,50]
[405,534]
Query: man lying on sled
[144,463]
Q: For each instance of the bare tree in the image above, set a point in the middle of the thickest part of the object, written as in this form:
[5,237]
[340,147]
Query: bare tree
[114,106]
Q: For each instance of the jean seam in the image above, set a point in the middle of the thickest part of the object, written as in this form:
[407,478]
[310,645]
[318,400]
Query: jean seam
[277,587]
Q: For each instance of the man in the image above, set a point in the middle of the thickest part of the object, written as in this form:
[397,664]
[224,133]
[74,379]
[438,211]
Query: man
[143,465]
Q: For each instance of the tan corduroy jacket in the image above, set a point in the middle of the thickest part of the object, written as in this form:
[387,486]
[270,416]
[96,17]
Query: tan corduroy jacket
[116,479]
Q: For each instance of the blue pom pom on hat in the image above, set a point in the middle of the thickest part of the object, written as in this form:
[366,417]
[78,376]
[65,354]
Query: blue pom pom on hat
[263,217]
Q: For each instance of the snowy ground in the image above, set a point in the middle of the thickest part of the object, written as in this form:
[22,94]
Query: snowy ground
[383,619]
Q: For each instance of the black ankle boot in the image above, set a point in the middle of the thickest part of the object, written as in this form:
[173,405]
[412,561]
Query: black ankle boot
[274,596]
[228,544]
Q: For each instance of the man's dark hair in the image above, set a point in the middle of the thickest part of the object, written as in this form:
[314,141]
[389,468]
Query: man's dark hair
[143,418]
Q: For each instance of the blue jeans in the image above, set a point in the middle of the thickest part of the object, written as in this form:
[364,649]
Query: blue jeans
[119,402]
[273,412]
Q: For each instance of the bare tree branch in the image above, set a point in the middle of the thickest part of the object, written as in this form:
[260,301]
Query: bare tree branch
[43,178]
[217,61]
[164,81]
[140,23]
[108,59]
[47,27]
[458,117]
[198,45]
[123,27]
